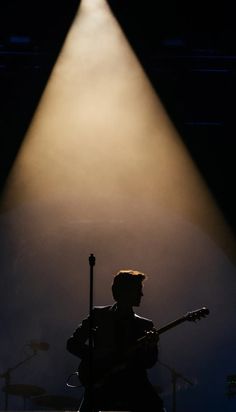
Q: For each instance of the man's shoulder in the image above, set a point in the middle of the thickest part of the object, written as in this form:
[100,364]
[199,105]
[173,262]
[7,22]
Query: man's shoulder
[101,311]
[102,308]
[143,321]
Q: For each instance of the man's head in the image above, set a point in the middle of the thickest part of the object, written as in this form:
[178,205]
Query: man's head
[127,287]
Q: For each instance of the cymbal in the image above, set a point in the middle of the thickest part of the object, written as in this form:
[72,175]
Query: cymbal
[23,390]
[57,402]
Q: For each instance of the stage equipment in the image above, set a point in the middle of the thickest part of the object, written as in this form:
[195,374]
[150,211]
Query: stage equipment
[55,402]
[231,386]
[175,375]
[43,346]
[25,391]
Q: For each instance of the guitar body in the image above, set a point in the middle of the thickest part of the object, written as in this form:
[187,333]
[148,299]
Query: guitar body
[102,369]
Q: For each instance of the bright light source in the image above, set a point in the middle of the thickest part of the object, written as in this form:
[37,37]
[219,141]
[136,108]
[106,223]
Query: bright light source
[101,144]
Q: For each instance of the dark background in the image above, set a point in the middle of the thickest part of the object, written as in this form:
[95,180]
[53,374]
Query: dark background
[186,48]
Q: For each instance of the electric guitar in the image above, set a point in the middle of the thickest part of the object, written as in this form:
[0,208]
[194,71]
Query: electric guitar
[106,367]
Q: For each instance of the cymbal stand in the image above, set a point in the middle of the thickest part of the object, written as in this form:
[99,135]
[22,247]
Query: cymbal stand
[7,375]
[174,376]
[90,385]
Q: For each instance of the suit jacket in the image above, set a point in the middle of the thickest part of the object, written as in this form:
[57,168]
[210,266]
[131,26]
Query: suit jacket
[112,336]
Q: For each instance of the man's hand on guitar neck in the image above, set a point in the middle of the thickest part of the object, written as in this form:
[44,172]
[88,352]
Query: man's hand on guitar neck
[152,338]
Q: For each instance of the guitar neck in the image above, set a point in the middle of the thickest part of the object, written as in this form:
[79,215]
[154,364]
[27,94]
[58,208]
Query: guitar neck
[172,324]
[190,316]
[163,329]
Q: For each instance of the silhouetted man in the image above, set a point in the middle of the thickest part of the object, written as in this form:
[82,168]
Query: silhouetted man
[120,360]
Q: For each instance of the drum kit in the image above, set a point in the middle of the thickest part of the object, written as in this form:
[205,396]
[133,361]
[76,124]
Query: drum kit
[40,399]
[35,395]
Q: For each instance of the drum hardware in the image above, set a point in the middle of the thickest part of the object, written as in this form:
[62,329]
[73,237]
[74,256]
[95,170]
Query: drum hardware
[25,389]
[174,377]
[231,386]
[57,402]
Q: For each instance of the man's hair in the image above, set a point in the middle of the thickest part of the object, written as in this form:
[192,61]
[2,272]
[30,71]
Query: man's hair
[126,279]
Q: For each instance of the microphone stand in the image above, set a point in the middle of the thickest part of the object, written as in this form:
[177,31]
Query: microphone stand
[90,383]
[174,376]
[7,376]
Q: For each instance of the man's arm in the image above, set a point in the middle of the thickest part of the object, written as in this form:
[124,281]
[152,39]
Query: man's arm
[76,344]
[147,354]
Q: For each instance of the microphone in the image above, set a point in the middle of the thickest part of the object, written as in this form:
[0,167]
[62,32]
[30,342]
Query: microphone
[38,345]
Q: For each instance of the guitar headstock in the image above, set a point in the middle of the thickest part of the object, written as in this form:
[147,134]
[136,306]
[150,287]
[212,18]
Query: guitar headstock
[197,314]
